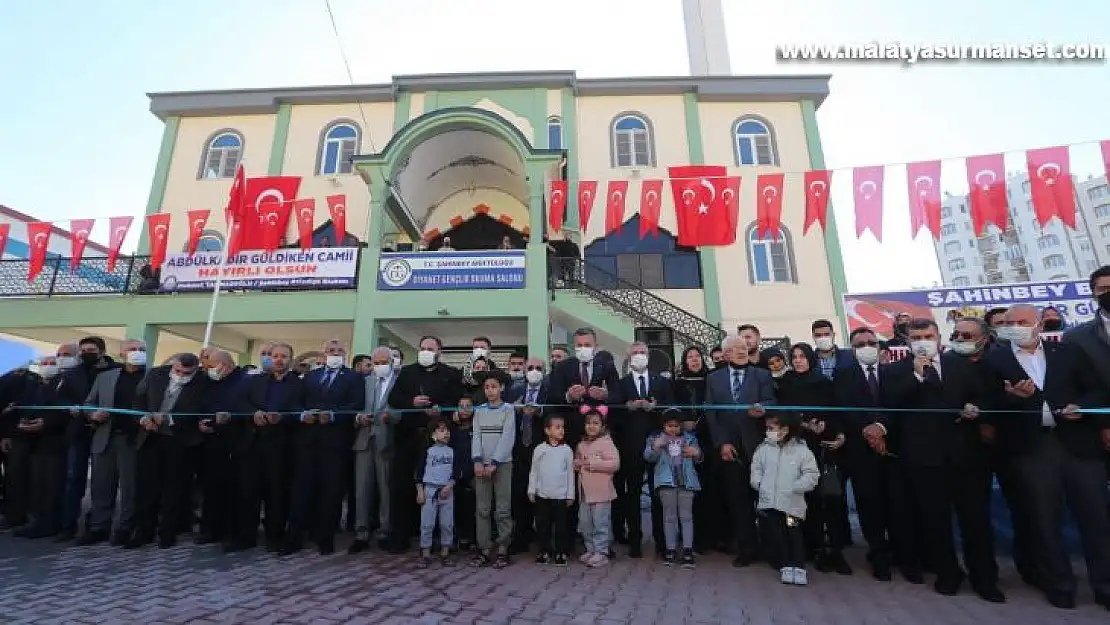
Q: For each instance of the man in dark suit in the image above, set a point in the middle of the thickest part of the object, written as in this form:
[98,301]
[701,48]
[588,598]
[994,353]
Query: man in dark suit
[583,379]
[642,391]
[218,492]
[44,433]
[527,395]
[1056,449]
[166,447]
[333,395]
[1093,337]
[943,465]
[736,433]
[860,384]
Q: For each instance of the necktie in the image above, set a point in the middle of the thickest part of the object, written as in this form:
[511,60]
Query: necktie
[737,384]
[873,382]
[329,377]
[525,430]
[585,374]
[643,387]
[531,396]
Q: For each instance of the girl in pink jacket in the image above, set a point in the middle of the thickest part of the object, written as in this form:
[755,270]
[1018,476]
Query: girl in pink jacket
[596,460]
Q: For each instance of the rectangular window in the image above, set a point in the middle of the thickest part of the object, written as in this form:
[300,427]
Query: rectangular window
[624,150]
[761,269]
[763,150]
[346,153]
[682,271]
[628,268]
[641,156]
[651,271]
[555,136]
[747,154]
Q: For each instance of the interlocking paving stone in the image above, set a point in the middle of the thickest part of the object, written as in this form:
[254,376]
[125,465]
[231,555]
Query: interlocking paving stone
[42,582]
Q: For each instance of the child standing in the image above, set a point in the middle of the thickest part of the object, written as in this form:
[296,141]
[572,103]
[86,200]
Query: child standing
[462,441]
[435,481]
[674,452]
[551,490]
[492,453]
[783,470]
[596,462]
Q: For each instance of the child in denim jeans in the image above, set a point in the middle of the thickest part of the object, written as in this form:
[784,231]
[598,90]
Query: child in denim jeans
[596,460]
[435,481]
[674,452]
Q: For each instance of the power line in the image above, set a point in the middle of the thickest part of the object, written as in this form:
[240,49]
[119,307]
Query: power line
[350,75]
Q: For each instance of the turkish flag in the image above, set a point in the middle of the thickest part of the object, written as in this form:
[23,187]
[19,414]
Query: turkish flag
[614,205]
[197,220]
[986,177]
[118,227]
[924,195]
[651,204]
[1105,147]
[277,224]
[557,205]
[700,205]
[768,212]
[867,185]
[38,236]
[79,230]
[730,195]
[1051,186]
[337,206]
[236,209]
[587,191]
[5,230]
[817,198]
[158,225]
[263,198]
[305,210]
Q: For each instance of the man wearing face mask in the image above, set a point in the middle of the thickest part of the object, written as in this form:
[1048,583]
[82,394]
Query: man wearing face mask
[829,356]
[425,386]
[527,396]
[79,370]
[901,330]
[582,379]
[480,349]
[1093,337]
[373,448]
[166,447]
[1051,321]
[736,434]
[333,395]
[642,390]
[43,432]
[398,357]
[114,460]
[516,370]
[228,385]
[1055,449]
[943,464]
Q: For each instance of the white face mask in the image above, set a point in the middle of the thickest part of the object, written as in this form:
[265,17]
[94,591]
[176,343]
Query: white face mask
[867,355]
[180,379]
[480,352]
[775,436]
[964,348]
[397,363]
[925,349]
[334,362]
[584,354]
[779,373]
[66,362]
[214,374]
[1019,335]
[135,358]
[383,371]
[426,358]
[516,375]
[534,377]
[46,371]
[639,362]
[823,343]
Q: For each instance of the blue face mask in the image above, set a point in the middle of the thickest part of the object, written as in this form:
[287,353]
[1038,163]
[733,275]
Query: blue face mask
[267,363]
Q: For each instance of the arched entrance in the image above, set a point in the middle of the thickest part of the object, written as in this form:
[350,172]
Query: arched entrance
[480,232]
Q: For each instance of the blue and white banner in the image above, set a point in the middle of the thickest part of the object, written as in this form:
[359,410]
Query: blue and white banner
[448,271]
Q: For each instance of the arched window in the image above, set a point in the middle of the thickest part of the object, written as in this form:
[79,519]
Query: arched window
[554,133]
[338,143]
[221,155]
[632,143]
[770,259]
[209,241]
[754,142]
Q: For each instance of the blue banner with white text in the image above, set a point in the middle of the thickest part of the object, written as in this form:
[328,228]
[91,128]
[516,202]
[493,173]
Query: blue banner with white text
[451,271]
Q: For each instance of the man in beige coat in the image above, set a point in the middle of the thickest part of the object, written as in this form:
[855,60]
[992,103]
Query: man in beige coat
[373,449]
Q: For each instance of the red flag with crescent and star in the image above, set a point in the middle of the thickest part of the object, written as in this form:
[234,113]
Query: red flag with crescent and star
[263,197]
[557,205]
[730,195]
[158,226]
[1051,186]
[587,192]
[651,205]
[117,232]
[197,220]
[700,205]
[337,206]
[305,210]
[615,196]
[924,196]
[986,178]
[817,198]
[867,186]
[38,237]
[5,230]
[79,230]
[768,212]
[277,224]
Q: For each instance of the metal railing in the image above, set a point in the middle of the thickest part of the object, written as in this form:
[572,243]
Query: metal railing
[629,299]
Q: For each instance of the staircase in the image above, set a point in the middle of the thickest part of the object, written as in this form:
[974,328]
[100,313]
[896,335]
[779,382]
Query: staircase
[625,298]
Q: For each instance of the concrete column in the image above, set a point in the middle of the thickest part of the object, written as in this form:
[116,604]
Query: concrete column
[365,332]
[536,299]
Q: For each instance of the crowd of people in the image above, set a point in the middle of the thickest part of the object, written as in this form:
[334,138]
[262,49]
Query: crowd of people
[746,450]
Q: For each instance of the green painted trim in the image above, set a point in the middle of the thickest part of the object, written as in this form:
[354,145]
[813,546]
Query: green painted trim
[591,314]
[364,334]
[570,145]
[402,107]
[248,357]
[710,279]
[281,138]
[161,177]
[431,101]
[537,116]
[832,240]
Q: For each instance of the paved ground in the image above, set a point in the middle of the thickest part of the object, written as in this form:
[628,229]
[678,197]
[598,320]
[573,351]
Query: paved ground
[44,583]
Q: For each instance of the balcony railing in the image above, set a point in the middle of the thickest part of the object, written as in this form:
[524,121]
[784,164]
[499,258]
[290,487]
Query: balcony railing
[130,276]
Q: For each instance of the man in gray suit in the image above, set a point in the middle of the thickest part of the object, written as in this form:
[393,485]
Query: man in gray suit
[113,447]
[374,450]
[736,434]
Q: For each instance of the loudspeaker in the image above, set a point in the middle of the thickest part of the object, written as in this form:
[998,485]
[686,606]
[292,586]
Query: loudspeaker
[660,342]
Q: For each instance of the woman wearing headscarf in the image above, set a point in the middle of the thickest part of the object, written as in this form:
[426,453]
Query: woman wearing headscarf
[709,531]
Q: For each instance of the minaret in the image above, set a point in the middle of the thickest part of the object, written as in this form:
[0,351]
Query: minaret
[706,42]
